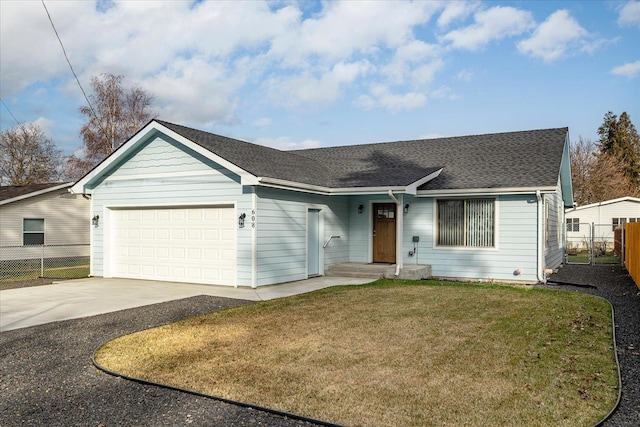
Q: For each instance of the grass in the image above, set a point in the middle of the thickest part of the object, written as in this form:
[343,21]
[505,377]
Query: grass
[394,353]
[63,268]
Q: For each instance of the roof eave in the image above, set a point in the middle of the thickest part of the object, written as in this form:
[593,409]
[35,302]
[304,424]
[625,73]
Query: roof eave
[607,202]
[35,193]
[329,191]
[485,191]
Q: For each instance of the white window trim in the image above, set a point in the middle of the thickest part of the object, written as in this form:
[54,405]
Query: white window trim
[496,220]
[43,232]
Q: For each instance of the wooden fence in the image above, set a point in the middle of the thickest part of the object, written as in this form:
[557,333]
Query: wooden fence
[632,250]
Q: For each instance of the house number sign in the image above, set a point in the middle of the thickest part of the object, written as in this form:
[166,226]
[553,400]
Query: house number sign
[253,218]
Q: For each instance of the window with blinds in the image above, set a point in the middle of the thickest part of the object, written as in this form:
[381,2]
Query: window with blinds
[466,223]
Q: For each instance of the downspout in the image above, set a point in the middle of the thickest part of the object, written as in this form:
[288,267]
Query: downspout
[540,267]
[399,231]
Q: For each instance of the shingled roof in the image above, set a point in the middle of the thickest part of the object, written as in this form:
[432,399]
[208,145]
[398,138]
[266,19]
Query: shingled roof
[8,192]
[499,160]
[525,159]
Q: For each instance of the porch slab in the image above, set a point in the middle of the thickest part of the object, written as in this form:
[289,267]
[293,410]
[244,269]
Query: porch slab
[379,271]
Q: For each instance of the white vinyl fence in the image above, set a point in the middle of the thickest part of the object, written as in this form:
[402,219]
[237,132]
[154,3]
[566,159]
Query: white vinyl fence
[49,261]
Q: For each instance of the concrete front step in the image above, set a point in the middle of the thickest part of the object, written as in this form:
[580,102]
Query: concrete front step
[377,271]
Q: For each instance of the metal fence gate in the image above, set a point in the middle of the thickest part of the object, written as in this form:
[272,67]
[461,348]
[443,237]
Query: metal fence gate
[593,244]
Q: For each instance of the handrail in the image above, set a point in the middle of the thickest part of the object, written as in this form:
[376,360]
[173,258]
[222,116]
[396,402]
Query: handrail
[329,239]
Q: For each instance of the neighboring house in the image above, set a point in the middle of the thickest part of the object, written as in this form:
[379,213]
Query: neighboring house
[179,204]
[42,214]
[600,219]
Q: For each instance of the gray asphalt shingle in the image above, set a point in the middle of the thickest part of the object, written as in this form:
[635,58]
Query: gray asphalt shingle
[500,160]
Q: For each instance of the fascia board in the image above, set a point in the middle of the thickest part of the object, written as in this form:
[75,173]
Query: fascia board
[606,202]
[485,191]
[309,188]
[413,188]
[565,175]
[36,193]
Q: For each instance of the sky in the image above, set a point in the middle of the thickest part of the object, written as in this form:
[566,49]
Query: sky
[307,74]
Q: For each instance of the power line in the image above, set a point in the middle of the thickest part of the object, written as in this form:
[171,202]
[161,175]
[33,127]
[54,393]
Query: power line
[69,62]
[7,107]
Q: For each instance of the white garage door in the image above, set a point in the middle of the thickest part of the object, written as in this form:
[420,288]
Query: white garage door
[195,245]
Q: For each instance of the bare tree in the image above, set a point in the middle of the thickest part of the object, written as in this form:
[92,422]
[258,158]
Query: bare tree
[597,176]
[114,116]
[27,156]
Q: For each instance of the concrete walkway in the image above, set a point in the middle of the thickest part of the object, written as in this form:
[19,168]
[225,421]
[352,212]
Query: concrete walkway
[72,299]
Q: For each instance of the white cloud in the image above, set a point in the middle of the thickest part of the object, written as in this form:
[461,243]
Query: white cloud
[308,89]
[343,29]
[629,14]
[491,24]
[426,73]
[431,136]
[45,124]
[382,97]
[553,37]
[456,11]
[262,122]
[465,75]
[195,91]
[285,143]
[630,70]
[407,57]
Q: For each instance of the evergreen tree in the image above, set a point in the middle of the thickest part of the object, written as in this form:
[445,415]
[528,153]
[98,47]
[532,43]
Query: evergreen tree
[619,139]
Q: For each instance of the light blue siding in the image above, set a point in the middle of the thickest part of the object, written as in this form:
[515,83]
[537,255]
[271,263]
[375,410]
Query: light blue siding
[554,254]
[282,233]
[515,249]
[143,180]
[516,219]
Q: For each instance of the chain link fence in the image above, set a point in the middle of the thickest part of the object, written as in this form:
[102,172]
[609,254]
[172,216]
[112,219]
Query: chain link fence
[589,243]
[48,261]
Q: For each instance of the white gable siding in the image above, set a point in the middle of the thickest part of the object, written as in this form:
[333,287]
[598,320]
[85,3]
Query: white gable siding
[194,181]
[282,233]
[66,221]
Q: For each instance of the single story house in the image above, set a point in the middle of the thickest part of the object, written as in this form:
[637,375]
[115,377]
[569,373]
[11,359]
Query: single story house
[179,204]
[48,214]
[599,219]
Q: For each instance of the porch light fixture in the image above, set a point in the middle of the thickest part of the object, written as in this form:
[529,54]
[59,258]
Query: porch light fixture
[406,208]
[95,219]
[241,220]
[360,209]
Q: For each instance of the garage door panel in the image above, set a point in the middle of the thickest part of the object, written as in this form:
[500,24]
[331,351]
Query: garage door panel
[183,244]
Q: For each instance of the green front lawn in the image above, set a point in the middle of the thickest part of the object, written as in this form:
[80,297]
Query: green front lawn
[395,353]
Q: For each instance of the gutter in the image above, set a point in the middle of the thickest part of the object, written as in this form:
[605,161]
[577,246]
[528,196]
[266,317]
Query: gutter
[399,232]
[540,267]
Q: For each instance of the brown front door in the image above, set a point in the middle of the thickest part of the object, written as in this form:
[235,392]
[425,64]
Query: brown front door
[384,232]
